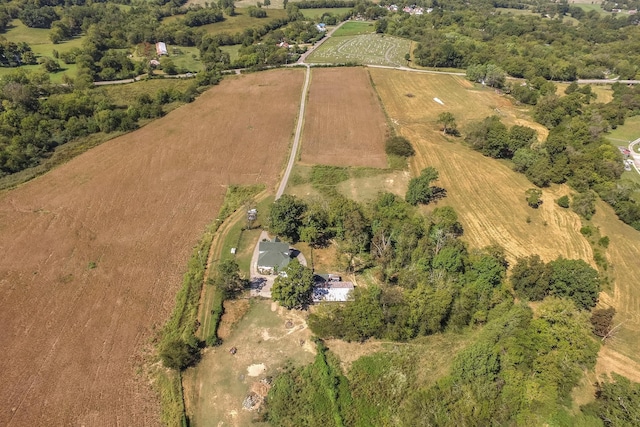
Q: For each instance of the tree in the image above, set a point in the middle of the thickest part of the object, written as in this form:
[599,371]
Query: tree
[448,122]
[267,3]
[576,280]
[294,288]
[228,279]
[178,354]
[285,217]
[563,201]
[420,189]
[602,320]
[617,402]
[584,204]
[533,197]
[530,278]
[399,146]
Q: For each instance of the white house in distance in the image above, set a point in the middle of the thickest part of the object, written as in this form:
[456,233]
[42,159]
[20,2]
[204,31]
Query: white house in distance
[161,49]
[330,287]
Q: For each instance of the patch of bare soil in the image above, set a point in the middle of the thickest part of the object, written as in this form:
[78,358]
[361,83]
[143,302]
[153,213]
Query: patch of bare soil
[93,252]
[233,312]
[344,124]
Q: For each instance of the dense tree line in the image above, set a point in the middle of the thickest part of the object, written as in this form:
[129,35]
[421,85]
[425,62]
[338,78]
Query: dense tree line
[38,116]
[575,151]
[457,35]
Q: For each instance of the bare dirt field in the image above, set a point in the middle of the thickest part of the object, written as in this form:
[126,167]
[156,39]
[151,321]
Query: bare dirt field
[487,195]
[94,251]
[344,124]
[265,338]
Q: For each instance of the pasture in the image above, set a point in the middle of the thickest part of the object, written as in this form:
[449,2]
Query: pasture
[487,194]
[374,49]
[317,13]
[38,39]
[242,21]
[344,123]
[94,251]
[354,28]
[266,337]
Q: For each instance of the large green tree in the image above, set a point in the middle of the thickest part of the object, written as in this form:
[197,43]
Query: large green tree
[285,217]
[294,288]
[420,189]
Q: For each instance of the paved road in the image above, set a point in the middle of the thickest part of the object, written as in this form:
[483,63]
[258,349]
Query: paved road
[296,139]
[315,47]
[634,155]
[144,77]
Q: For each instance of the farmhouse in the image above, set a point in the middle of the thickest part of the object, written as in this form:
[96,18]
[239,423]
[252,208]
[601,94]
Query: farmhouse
[273,256]
[161,49]
[330,287]
[322,27]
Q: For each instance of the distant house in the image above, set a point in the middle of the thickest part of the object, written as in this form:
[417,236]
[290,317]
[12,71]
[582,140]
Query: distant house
[330,287]
[321,27]
[161,49]
[273,256]
[283,44]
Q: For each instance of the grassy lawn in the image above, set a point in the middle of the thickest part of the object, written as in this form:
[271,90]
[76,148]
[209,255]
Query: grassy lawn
[242,20]
[374,49]
[354,29]
[134,90]
[317,13]
[38,39]
[232,51]
[186,58]
[215,389]
[627,132]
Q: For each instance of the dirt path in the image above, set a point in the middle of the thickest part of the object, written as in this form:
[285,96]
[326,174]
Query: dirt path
[296,140]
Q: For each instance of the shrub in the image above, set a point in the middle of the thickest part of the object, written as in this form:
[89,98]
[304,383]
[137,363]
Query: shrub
[563,202]
[399,146]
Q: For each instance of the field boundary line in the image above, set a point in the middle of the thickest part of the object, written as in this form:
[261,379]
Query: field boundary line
[296,139]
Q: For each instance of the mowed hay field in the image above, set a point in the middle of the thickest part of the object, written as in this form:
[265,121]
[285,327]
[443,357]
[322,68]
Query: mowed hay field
[94,251]
[344,123]
[623,253]
[487,195]
[489,198]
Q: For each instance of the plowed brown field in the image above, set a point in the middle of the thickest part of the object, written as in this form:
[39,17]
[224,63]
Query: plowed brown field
[344,124]
[93,252]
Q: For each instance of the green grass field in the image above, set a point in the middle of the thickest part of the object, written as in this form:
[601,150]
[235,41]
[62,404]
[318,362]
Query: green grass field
[215,389]
[242,20]
[186,58]
[232,51]
[317,13]
[627,132]
[373,49]
[38,39]
[354,29]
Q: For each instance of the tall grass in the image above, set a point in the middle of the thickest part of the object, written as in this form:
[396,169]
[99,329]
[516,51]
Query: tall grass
[183,320]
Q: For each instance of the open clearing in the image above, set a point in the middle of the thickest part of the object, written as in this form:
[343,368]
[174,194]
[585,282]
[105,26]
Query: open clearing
[265,338]
[344,123]
[94,251]
[487,194]
[375,49]
[622,253]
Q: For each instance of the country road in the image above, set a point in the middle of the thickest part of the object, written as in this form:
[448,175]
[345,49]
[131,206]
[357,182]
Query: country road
[296,138]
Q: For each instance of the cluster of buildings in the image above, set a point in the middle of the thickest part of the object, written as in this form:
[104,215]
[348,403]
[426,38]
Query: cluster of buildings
[411,10]
[275,255]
